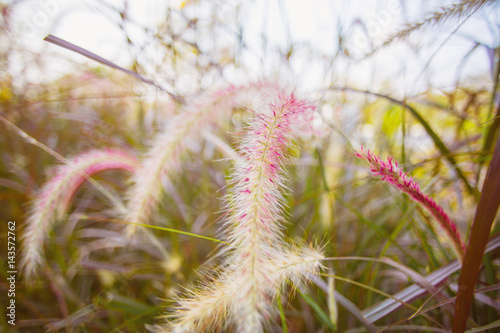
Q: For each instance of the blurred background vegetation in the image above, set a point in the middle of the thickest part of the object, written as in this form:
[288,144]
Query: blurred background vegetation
[429,98]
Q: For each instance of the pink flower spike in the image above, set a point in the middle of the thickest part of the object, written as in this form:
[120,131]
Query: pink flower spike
[255,271]
[390,172]
[165,156]
[55,197]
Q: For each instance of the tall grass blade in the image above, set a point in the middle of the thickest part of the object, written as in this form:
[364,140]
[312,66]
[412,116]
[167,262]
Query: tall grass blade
[319,311]
[282,315]
[346,303]
[161,228]
[481,227]
[72,47]
[490,326]
[332,303]
[491,131]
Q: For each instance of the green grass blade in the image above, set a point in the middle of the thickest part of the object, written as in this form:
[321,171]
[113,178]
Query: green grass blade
[182,233]
[155,227]
[490,326]
[319,311]
[332,303]
[375,227]
[489,135]
[346,303]
[127,305]
[282,314]
[152,311]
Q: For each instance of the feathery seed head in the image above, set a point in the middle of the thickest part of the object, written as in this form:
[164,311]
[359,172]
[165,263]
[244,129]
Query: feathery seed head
[54,199]
[253,272]
[259,176]
[390,172]
[165,156]
[256,212]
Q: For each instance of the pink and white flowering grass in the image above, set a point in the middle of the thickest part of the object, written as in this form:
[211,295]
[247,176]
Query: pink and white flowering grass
[390,172]
[164,158]
[258,262]
[55,197]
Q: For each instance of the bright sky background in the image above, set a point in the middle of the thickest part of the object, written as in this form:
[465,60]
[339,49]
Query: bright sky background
[314,23]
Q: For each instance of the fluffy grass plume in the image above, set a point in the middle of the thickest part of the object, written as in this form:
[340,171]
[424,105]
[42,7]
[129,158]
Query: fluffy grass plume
[455,10]
[164,158]
[390,172]
[259,263]
[54,198]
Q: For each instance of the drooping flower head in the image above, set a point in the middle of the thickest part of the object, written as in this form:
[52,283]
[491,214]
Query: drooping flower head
[55,197]
[390,172]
